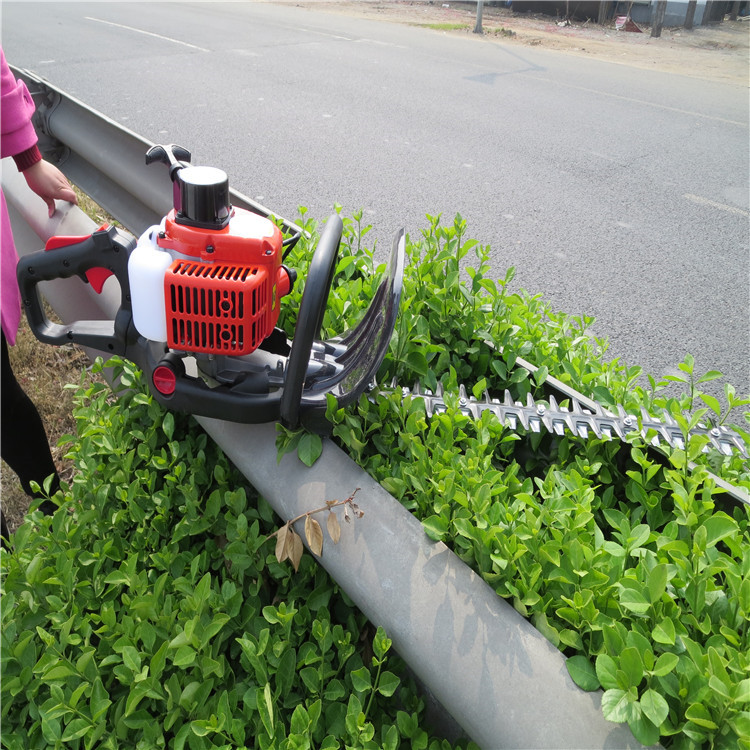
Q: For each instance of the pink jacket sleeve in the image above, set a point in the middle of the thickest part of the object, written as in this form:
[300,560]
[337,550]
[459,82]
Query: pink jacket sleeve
[16,109]
[17,135]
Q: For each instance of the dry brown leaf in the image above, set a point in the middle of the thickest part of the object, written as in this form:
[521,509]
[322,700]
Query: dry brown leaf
[314,535]
[334,529]
[281,542]
[296,549]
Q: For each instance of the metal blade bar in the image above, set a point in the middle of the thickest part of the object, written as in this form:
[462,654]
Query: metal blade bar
[580,420]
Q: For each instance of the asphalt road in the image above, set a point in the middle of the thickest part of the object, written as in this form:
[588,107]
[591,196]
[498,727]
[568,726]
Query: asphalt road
[615,192]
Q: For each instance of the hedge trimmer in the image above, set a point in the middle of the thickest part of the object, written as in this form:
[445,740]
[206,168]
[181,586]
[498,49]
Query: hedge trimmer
[199,301]
[199,305]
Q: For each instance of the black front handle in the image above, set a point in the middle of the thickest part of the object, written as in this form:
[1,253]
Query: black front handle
[105,249]
[310,318]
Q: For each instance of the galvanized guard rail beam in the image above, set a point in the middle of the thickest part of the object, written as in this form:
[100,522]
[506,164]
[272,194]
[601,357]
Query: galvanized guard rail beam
[106,160]
[502,681]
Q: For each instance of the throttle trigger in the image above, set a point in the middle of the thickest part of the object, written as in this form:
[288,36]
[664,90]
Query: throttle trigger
[94,276]
[97,276]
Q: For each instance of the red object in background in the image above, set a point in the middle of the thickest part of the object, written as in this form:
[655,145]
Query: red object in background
[625,23]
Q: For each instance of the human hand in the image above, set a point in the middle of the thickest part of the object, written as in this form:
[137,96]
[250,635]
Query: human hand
[49,183]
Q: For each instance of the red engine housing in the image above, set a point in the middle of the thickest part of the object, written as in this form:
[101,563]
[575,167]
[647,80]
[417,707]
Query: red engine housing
[223,288]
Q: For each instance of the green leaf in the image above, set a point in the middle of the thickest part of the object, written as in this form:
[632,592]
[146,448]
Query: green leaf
[77,728]
[657,582]
[617,705]
[309,448]
[643,729]
[99,701]
[265,708]
[201,727]
[541,375]
[381,643]
[168,424]
[665,664]
[408,724]
[300,720]
[361,679]
[710,375]
[654,707]
[417,362]
[742,691]
[712,403]
[436,527]
[388,684]
[60,671]
[603,395]
[334,690]
[606,671]
[391,739]
[632,665]
[719,526]
[634,601]
[699,714]
[583,672]
[664,632]
[184,656]
[131,658]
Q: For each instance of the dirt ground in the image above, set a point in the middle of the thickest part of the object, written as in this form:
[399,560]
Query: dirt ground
[719,52]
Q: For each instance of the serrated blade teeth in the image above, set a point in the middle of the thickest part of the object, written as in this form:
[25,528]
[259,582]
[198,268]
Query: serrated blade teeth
[578,419]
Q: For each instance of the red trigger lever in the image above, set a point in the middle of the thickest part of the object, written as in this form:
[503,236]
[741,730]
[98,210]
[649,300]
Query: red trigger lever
[94,276]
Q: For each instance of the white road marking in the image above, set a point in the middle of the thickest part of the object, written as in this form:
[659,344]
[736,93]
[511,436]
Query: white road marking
[713,204]
[635,100]
[147,33]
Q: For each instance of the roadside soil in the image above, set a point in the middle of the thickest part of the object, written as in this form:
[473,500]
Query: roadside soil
[719,52]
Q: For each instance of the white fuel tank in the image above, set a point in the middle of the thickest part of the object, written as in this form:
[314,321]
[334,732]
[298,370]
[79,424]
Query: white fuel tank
[146,269]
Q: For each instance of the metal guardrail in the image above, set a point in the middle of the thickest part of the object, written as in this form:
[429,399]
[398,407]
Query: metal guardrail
[490,669]
[106,160]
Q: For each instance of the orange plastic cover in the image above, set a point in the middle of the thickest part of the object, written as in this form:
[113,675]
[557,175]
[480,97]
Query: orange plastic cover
[218,308]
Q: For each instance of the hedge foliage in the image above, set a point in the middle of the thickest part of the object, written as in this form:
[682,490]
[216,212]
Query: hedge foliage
[151,611]
[634,565]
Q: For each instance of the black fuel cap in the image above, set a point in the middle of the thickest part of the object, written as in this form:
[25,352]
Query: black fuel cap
[204,197]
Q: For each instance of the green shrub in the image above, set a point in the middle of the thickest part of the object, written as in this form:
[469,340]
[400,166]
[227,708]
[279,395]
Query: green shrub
[632,564]
[150,611]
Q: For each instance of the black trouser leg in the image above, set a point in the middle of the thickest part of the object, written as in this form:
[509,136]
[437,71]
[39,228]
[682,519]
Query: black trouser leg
[23,440]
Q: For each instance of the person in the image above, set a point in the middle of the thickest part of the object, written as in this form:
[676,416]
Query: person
[23,441]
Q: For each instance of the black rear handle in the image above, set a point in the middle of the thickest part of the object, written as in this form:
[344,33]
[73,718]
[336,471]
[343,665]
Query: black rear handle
[106,249]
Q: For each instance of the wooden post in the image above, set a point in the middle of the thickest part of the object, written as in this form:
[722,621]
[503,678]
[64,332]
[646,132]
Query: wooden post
[690,14]
[478,27]
[658,18]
